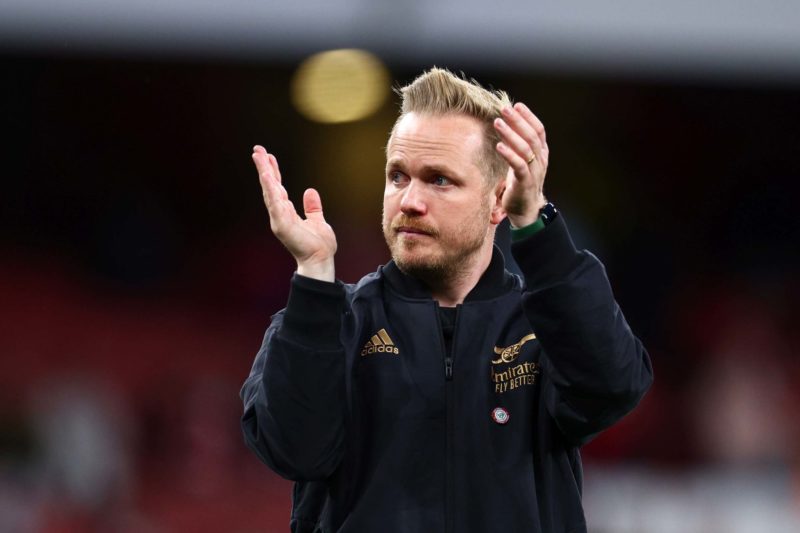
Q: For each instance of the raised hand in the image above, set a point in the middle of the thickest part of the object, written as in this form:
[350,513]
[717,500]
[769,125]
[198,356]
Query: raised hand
[311,241]
[524,146]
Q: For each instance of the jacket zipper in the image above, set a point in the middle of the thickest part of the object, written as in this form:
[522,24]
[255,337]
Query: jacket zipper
[448,357]
[449,494]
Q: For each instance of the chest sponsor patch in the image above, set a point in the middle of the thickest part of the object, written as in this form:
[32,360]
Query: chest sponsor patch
[512,377]
[515,377]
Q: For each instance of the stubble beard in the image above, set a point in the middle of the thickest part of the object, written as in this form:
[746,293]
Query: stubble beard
[450,256]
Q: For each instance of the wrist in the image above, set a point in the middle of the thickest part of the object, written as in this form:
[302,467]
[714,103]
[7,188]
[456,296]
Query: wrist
[547,214]
[529,217]
[322,271]
[522,222]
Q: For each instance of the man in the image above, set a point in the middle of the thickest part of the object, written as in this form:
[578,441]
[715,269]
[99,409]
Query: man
[442,393]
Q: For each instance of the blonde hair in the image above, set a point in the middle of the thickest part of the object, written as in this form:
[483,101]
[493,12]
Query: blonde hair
[440,92]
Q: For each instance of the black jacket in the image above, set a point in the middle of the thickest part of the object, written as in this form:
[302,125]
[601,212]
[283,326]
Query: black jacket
[355,397]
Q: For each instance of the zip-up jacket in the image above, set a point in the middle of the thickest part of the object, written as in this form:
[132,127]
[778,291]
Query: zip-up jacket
[389,422]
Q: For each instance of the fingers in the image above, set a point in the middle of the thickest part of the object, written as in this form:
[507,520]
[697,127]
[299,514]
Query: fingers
[269,174]
[260,159]
[281,211]
[515,161]
[312,204]
[533,120]
[266,162]
[524,144]
[273,163]
[265,177]
[522,132]
[518,134]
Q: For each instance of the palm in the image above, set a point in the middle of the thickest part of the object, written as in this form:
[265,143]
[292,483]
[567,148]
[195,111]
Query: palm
[305,239]
[309,240]
[518,194]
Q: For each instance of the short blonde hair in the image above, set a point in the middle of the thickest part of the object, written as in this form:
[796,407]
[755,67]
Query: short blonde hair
[440,92]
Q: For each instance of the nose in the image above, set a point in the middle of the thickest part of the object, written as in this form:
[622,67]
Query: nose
[412,203]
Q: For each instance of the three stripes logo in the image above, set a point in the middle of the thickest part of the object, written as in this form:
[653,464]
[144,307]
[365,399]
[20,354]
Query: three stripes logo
[380,343]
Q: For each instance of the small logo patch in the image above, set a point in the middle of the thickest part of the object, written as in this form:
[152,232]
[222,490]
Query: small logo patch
[380,343]
[509,354]
[500,416]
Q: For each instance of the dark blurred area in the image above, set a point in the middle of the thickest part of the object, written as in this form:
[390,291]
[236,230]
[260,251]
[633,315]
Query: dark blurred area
[138,274]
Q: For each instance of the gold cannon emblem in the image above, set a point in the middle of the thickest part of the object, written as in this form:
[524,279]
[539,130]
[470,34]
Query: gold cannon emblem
[507,355]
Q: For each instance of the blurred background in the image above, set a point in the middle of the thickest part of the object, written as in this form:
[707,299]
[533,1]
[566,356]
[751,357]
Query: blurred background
[138,273]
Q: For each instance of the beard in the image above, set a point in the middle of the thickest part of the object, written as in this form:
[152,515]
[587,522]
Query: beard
[442,255]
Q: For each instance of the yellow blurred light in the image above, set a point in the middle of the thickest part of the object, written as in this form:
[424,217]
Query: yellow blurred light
[340,86]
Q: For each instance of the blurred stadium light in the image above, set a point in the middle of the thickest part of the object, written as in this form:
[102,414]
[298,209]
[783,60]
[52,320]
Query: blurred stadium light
[340,86]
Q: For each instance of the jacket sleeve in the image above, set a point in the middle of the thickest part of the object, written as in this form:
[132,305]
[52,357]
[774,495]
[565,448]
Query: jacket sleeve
[594,370]
[294,397]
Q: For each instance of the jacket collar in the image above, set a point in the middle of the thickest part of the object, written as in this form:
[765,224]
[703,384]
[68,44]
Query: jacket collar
[494,282]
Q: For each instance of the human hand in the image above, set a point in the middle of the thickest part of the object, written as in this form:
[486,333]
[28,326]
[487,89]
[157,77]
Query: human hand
[524,146]
[311,241]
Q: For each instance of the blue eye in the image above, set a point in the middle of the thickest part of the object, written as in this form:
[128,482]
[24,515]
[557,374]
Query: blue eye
[396,177]
[441,181]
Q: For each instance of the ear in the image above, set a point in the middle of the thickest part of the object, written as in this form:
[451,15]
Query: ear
[498,212]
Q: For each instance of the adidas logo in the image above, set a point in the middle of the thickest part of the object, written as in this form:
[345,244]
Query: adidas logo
[380,343]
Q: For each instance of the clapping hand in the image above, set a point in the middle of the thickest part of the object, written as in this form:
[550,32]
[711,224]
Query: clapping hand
[311,241]
[524,146]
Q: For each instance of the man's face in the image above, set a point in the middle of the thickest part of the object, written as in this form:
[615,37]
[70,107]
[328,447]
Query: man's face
[437,207]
